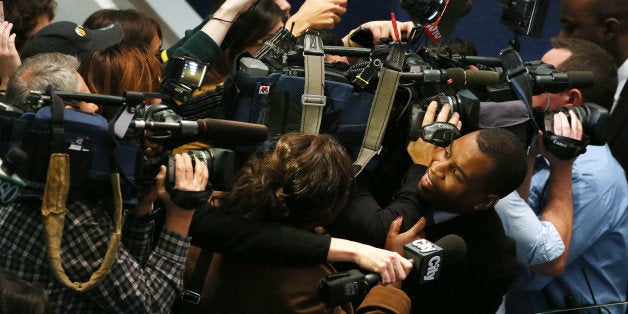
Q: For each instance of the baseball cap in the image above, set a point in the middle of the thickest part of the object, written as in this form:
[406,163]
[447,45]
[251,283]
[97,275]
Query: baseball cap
[72,39]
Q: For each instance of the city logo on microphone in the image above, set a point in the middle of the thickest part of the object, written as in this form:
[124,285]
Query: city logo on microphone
[433,268]
[424,246]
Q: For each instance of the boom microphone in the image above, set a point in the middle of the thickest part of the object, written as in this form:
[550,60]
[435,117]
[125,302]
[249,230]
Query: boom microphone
[473,77]
[474,60]
[427,257]
[224,131]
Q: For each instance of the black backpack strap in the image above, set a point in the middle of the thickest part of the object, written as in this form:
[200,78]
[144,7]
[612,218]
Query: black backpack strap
[58,133]
[190,297]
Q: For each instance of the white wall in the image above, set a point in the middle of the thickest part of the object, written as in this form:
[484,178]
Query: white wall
[175,16]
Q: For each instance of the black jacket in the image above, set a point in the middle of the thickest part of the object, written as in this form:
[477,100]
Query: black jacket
[618,130]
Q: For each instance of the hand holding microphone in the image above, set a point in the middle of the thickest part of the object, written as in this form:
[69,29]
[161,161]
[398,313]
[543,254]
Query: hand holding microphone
[427,257]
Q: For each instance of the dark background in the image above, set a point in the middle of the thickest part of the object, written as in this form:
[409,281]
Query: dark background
[481,25]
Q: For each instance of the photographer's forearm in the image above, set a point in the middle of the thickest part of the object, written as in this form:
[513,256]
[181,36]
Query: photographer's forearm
[257,241]
[178,219]
[316,14]
[559,212]
[524,188]
[220,23]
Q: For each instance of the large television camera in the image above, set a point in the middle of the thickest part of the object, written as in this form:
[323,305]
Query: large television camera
[98,147]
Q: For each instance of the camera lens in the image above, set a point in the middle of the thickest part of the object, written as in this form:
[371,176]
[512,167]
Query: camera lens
[594,119]
[220,164]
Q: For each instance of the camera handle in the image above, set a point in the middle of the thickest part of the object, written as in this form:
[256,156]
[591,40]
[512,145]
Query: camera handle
[438,133]
[131,103]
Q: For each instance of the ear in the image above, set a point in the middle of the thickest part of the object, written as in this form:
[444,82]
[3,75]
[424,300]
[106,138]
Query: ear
[575,98]
[489,201]
[611,28]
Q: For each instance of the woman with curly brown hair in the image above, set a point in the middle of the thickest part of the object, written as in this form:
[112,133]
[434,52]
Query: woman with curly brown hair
[305,182]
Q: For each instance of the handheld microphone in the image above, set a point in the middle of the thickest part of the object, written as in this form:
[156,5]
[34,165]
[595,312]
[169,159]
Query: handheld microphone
[427,257]
[225,131]
[10,183]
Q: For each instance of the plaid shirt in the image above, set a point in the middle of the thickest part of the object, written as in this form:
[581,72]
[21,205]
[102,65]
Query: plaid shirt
[143,279]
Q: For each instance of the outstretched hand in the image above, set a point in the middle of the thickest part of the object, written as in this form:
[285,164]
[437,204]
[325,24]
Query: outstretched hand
[391,266]
[384,29]
[395,241]
[9,58]
[317,14]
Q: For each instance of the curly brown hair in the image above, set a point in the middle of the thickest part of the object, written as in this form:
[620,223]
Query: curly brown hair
[304,182]
[24,15]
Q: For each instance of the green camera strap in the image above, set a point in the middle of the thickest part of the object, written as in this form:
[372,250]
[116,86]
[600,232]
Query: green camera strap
[313,99]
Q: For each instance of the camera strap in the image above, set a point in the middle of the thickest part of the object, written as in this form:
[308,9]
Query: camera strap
[380,108]
[378,118]
[313,99]
[520,80]
[54,201]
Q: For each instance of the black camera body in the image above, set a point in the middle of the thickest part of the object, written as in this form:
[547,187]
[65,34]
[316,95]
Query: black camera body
[182,76]
[524,17]
[426,11]
[594,118]
[464,102]
[220,163]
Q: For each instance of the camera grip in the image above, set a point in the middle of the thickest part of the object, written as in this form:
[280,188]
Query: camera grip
[191,199]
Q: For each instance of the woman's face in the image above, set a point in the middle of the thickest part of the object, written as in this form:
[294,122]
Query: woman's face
[155,44]
[252,49]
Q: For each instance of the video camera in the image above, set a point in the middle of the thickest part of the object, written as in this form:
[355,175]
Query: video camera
[98,147]
[182,76]
[544,78]
[524,17]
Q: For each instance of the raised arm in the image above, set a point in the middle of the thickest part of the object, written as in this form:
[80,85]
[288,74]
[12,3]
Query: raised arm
[316,14]
[559,209]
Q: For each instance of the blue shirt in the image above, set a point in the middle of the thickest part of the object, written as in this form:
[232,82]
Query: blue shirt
[537,241]
[598,256]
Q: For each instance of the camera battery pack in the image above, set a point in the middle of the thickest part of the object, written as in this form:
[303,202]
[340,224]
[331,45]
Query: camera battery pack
[253,67]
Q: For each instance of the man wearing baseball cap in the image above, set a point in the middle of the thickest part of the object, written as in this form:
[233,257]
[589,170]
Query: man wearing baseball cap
[72,39]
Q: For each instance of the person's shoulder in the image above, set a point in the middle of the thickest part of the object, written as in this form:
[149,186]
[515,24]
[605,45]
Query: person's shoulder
[598,165]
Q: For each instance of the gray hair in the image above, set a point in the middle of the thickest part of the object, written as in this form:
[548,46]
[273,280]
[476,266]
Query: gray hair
[39,71]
